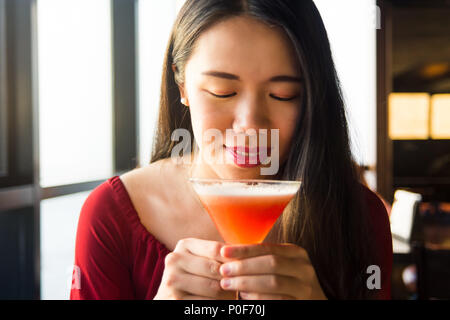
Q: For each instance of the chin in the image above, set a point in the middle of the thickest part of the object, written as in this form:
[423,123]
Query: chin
[233,171]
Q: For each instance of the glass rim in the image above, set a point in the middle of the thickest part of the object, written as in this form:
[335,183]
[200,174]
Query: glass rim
[262,181]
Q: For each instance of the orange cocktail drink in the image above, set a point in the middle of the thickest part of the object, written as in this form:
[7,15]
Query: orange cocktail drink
[244,219]
[244,211]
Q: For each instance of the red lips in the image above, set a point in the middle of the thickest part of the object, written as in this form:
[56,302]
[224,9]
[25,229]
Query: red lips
[248,157]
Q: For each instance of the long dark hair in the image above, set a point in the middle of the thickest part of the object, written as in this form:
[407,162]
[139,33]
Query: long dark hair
[328,217]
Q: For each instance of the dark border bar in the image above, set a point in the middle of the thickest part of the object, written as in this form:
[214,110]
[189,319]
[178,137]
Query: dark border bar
[124,84]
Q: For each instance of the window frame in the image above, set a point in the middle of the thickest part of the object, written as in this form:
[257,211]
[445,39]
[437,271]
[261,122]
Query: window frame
[19,187]
[3,95]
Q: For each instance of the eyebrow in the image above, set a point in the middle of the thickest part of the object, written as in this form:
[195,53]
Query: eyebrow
[229,76]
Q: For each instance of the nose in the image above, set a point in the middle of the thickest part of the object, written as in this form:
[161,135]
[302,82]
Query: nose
[250,113]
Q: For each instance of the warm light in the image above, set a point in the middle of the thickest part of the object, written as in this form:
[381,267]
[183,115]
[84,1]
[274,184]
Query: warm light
[440,116]
[436,70]
[402,213]
[409,116]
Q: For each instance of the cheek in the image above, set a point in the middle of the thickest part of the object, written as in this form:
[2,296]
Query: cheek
[206,115]
[286,123]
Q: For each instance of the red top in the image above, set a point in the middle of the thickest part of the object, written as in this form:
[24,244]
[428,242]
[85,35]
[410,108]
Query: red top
[117,258]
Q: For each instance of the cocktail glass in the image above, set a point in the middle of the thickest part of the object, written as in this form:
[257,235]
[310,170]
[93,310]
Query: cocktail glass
[244,211]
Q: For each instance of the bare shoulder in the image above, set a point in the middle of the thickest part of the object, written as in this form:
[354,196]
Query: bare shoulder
[151,187]
[164,201]
[152,176]
[142,177]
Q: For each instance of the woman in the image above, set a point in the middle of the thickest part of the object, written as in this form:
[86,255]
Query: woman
[239,65]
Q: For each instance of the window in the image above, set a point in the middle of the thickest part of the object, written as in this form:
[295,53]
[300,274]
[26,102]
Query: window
[59,220]
[70,120]
[155,23]
[419,116]
[440,116]
[409,116]
[75,91]
[351,26]
[75,124]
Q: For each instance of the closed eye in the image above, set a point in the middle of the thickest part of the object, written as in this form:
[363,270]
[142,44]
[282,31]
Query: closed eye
[223,96]
[234,93]
[282,99]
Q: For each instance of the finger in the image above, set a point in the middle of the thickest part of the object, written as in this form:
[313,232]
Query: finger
[202,248]
[270,284]
[195,285]
[253,250]
[228,295]
[192,297]
[263,296]
[269,264]
[195,265]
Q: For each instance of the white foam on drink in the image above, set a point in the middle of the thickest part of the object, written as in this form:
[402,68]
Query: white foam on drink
[244,190]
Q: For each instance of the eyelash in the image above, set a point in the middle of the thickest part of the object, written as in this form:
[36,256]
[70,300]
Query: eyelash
[224,96]
[282,99]
[271,95]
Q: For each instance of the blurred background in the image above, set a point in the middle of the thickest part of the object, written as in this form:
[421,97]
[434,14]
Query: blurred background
[79,95]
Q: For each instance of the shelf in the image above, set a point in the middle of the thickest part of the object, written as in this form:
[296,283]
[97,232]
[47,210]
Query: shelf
[421,181]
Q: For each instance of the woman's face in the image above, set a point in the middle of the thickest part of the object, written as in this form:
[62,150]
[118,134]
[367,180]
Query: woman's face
[242,77]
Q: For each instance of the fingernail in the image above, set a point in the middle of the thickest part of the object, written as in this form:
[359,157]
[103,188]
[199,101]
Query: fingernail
[222,252]
[227,251]
[226,269]
[243,295]
[226,283]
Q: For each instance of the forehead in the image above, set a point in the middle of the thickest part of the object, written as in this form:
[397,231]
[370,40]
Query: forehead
[246,47]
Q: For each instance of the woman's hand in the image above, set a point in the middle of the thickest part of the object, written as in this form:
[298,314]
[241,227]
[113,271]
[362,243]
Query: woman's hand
[270,272]
[192,272]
